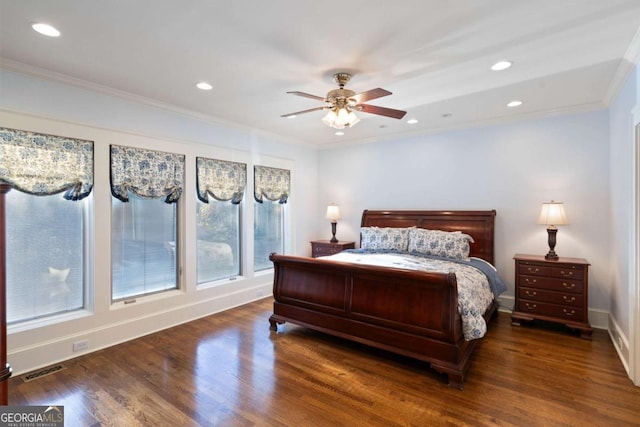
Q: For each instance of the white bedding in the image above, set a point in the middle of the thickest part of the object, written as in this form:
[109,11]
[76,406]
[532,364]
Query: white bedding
[474,293]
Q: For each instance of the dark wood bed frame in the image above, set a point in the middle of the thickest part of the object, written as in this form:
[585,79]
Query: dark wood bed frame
[406,312]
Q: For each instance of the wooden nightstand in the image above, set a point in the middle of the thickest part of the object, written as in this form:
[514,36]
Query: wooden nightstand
[325,247]
[552,290]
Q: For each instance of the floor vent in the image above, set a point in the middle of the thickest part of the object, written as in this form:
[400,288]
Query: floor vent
[42,372]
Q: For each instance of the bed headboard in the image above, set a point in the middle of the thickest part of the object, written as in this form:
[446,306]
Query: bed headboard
[477,224]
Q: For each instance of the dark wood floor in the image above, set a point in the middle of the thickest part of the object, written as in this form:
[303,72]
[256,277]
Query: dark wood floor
[230,370]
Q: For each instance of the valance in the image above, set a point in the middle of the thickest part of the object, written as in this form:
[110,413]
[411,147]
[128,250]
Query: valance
[221,179]
[146,173]
[43,164]
[271,183]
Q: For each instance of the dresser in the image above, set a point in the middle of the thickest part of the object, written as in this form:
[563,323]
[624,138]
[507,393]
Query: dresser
[552,290]
[325,247]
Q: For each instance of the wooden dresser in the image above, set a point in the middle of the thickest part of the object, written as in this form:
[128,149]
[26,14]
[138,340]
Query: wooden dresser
[552,290]
[325,247]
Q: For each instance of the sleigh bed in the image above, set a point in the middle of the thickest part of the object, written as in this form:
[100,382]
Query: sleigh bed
[409,312]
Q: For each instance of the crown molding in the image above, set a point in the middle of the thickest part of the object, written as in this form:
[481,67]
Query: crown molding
[44,74]
[629,60]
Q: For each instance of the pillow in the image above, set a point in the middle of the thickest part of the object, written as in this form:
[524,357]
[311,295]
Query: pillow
[447,244]
[385,238]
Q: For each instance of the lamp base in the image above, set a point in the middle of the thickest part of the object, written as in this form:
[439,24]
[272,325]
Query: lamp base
[552,231]
[333,231]
[551,255]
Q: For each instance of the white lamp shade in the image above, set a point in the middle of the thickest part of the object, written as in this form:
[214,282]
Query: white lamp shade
[333,213]
[552,213]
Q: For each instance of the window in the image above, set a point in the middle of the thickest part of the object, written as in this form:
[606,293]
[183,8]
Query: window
[143,247]
[218,245]
[45,238]
[220,186]
[268,232]
[144,237]
[46,219]
[271,192]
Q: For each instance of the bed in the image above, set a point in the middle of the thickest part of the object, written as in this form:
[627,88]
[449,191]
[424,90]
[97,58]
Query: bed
[409,312]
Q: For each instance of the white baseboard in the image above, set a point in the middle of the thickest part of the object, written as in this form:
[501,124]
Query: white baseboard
[620,342]
[42,354]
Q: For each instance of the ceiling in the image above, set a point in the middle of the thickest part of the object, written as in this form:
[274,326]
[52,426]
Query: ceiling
[434,55]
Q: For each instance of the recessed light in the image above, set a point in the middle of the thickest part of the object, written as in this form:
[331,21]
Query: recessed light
[204,86]
[514,104]
[339,133]
[501,65]
[292,116]
[412,121]
[46,29]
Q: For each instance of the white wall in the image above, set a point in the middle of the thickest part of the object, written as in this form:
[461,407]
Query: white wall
[49,107]
[511,168]
[622,175]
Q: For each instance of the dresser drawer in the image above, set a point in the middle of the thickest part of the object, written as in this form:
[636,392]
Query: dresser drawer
[560,285]
[568,272]
[534,269]
[326,250]
[540,295]
[552,310]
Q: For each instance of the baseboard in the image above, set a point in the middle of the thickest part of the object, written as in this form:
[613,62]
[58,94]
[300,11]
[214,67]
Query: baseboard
[42,354]
[598,319]
[620,342]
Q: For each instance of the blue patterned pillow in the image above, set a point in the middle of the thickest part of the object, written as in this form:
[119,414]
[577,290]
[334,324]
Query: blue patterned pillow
[447,244]
[385,238]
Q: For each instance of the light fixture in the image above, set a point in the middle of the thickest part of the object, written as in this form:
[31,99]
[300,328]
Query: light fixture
[46,29]
[552,214]
[340,118]
[514,104]
[412,121]
[501,65]
[333,215]
[204,86]
[339,133]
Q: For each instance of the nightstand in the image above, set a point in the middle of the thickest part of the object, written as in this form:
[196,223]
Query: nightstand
[552,290]
[325,247]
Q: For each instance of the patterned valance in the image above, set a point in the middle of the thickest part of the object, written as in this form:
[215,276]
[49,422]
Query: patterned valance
[146,173]
[43,164]
[271,183]
[220,179]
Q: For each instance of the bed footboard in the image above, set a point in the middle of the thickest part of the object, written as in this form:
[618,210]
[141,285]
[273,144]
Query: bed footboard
[407,312]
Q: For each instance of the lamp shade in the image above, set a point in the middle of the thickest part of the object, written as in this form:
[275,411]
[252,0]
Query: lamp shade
[552,213]
[333,213]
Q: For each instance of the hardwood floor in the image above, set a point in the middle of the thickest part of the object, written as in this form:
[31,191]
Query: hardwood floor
[230,370]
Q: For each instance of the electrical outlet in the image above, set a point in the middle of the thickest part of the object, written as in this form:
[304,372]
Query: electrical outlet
[80,345]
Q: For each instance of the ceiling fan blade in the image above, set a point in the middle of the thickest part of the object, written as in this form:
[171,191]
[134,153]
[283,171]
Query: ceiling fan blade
[302,112]
[307,95]
[371,94]
[382,111]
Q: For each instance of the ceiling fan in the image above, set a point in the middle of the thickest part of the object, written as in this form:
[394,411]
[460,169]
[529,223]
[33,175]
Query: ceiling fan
[341,104]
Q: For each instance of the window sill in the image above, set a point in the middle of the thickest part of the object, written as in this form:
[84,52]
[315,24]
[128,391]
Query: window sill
[47,321]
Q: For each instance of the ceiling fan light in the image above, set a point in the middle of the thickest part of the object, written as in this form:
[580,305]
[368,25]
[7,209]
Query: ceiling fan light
[343,118]
[353,119]
[330,118]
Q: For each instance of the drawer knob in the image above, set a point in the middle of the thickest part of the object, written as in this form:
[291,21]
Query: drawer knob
[531,293]
[566,273]
[568,313]
[530,306]
[533,270]
[530,280]
[566,298]
[569,285]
